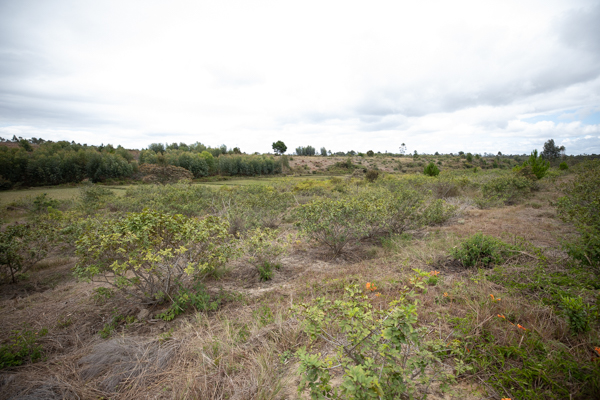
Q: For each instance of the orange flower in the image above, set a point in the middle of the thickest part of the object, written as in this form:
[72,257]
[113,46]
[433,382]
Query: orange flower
[377,294]
[445,294]
[371,287]
[495,299]
[521,327]
[597,350]
[506,398]
[501,316]
[434,273]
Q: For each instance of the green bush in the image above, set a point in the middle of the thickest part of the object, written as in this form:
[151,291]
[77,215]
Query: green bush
[370,349]
[22,246]
[506,189]
[581,207]
[149,255]
[431,169]
[337,222]
[535,166]
[480,250]
[22,347]
[563,166]
[372,175]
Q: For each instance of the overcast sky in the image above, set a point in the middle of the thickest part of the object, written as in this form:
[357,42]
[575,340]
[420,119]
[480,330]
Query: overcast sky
[478,76]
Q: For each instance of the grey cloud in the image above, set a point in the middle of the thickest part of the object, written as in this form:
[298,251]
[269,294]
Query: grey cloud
[581,29]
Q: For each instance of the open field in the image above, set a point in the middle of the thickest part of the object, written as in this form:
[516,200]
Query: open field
[464,282]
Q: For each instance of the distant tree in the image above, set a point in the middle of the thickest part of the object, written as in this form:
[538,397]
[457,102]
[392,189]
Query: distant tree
[461,153]
[236,150]
[323,151]
[402,149]
[351,153]
[279,147]
[499,153]
[157,147]
[469,157]
[436,154]
[370,153]
[25,145]
[223,149]
[552,151]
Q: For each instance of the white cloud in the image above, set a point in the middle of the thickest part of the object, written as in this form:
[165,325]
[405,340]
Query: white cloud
[439,76]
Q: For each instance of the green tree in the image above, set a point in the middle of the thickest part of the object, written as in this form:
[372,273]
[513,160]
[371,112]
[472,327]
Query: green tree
[552,151]
[370,153]
[279,147]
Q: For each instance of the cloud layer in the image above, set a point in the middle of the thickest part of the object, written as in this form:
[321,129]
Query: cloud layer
[441,76]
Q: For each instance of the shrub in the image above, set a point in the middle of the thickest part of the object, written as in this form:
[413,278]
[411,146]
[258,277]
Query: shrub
[149,254]
[581,206]
[480,250]
[563,166]
[371,349]
[372,175]
[22,246]
[506,189]
[335,223]
[264,248]
[265,270]
[431,169]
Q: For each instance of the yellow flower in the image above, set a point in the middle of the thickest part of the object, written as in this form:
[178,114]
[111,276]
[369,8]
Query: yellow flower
[445,294]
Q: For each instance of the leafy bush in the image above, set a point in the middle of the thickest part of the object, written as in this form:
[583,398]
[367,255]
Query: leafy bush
[480,250]
[265,246]
[506,188]
[335,223]
[22,246]
[22,347]
[149,254]
[563,166]
[581,206]
[372,175]
[42,202]
[371,348]
[431,169]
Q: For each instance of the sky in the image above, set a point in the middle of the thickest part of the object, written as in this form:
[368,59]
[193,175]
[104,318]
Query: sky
[447,76]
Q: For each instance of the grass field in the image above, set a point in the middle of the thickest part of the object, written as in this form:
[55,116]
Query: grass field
[69,193]
[414,250]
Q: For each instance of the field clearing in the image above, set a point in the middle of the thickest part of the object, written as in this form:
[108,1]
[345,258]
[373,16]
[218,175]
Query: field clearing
[57,193]
[70,193]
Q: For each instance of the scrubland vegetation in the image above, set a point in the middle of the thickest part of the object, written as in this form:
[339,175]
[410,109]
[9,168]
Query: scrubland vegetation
[435,280]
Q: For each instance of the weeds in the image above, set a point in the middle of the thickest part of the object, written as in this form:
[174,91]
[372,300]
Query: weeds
[22,347]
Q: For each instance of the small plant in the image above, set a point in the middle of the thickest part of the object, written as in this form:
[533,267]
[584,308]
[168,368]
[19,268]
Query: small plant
[431,169]
[102,294]
[506,189]
[198,298]
[578,313]
[42,202]
[563,166]
[22,347]
[265,270]
[480,250]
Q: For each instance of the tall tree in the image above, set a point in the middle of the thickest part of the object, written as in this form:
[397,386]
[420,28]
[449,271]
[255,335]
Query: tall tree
[279,147]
